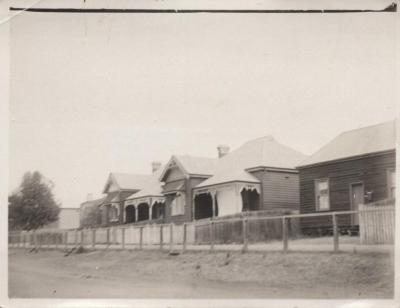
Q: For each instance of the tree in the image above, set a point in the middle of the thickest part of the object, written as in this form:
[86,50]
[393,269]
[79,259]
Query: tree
[32,205]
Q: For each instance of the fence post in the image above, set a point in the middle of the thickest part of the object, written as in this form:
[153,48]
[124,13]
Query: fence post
[171,237]
[335,233]
[184,237]
[40,240]
[141,237]
[66,239]
[56,240]
[76,237]
[123,237]
[93,238]
[211,235]
[108,238]
[161,237]
[245,239]
[34,239]
[284,234]
[82,237]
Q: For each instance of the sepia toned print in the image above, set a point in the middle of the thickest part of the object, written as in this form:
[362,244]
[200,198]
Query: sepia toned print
[201,152]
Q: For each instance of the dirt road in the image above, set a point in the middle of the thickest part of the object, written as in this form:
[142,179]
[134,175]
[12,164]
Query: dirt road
[154,274]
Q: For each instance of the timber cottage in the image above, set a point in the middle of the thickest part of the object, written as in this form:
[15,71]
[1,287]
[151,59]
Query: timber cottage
[258,176]
[356,167]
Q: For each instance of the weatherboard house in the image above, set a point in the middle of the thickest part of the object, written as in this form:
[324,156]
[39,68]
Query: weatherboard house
[356,167]
[148,204]
[258,176]
[118,187]
[181,174]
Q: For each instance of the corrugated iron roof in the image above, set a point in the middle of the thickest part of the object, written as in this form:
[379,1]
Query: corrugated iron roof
[152,188]
[197,165]
[132,181]
[361,141]
[127,181]
[261,152]
[95,202]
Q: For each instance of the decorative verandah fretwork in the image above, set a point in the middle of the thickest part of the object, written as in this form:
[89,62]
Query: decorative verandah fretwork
[225,199]
[141,209]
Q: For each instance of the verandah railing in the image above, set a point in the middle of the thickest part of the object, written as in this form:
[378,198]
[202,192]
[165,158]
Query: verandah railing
[240,231]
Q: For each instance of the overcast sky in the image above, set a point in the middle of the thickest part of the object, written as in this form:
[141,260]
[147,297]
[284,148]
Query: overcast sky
[95,93]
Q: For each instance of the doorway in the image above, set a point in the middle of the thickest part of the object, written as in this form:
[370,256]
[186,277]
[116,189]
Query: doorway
[356,198]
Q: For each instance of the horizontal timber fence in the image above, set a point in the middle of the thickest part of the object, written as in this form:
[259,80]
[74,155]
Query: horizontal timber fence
[261,232]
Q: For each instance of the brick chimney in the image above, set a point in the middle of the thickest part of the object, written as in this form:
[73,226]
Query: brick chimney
[222,150]
[89,197]
[155,165]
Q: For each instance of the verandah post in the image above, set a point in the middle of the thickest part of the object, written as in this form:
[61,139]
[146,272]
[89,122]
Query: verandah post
[335,233]
[284,234]
[245,239]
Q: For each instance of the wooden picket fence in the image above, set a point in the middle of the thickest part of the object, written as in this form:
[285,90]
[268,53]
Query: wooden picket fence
[376,227]
[377,222]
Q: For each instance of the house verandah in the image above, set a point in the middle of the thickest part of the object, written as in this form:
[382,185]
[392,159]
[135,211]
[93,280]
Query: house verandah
[144,209]
[258,176]
[225,199]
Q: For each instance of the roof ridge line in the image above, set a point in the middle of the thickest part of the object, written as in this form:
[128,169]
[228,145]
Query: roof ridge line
[369,126]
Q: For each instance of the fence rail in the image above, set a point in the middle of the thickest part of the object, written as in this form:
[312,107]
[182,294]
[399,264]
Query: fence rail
[376,227]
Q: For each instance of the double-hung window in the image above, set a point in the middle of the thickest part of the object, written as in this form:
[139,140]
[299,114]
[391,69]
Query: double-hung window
[178,204]
[322,195]
[114,212]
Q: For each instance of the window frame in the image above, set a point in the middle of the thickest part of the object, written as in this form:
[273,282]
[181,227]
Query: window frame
[112,219]
[174,204]
[316,194]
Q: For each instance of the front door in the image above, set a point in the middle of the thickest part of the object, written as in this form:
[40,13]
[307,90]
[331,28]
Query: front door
[356,198]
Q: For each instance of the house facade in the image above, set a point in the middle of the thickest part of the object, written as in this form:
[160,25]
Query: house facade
[258,176]
[180,175]
[118,187]
[148,204]
[355,168]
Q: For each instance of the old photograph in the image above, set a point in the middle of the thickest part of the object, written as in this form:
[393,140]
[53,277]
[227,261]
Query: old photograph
[171,149]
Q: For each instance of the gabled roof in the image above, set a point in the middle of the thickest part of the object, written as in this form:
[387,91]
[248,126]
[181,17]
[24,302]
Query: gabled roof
[192,165]
[127,181]
[262,152]
[152,189]
[357,142]
[95,202]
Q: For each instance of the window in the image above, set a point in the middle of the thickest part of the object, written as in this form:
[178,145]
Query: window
[114,212]
[392,183]
[322,195]
[178,204]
